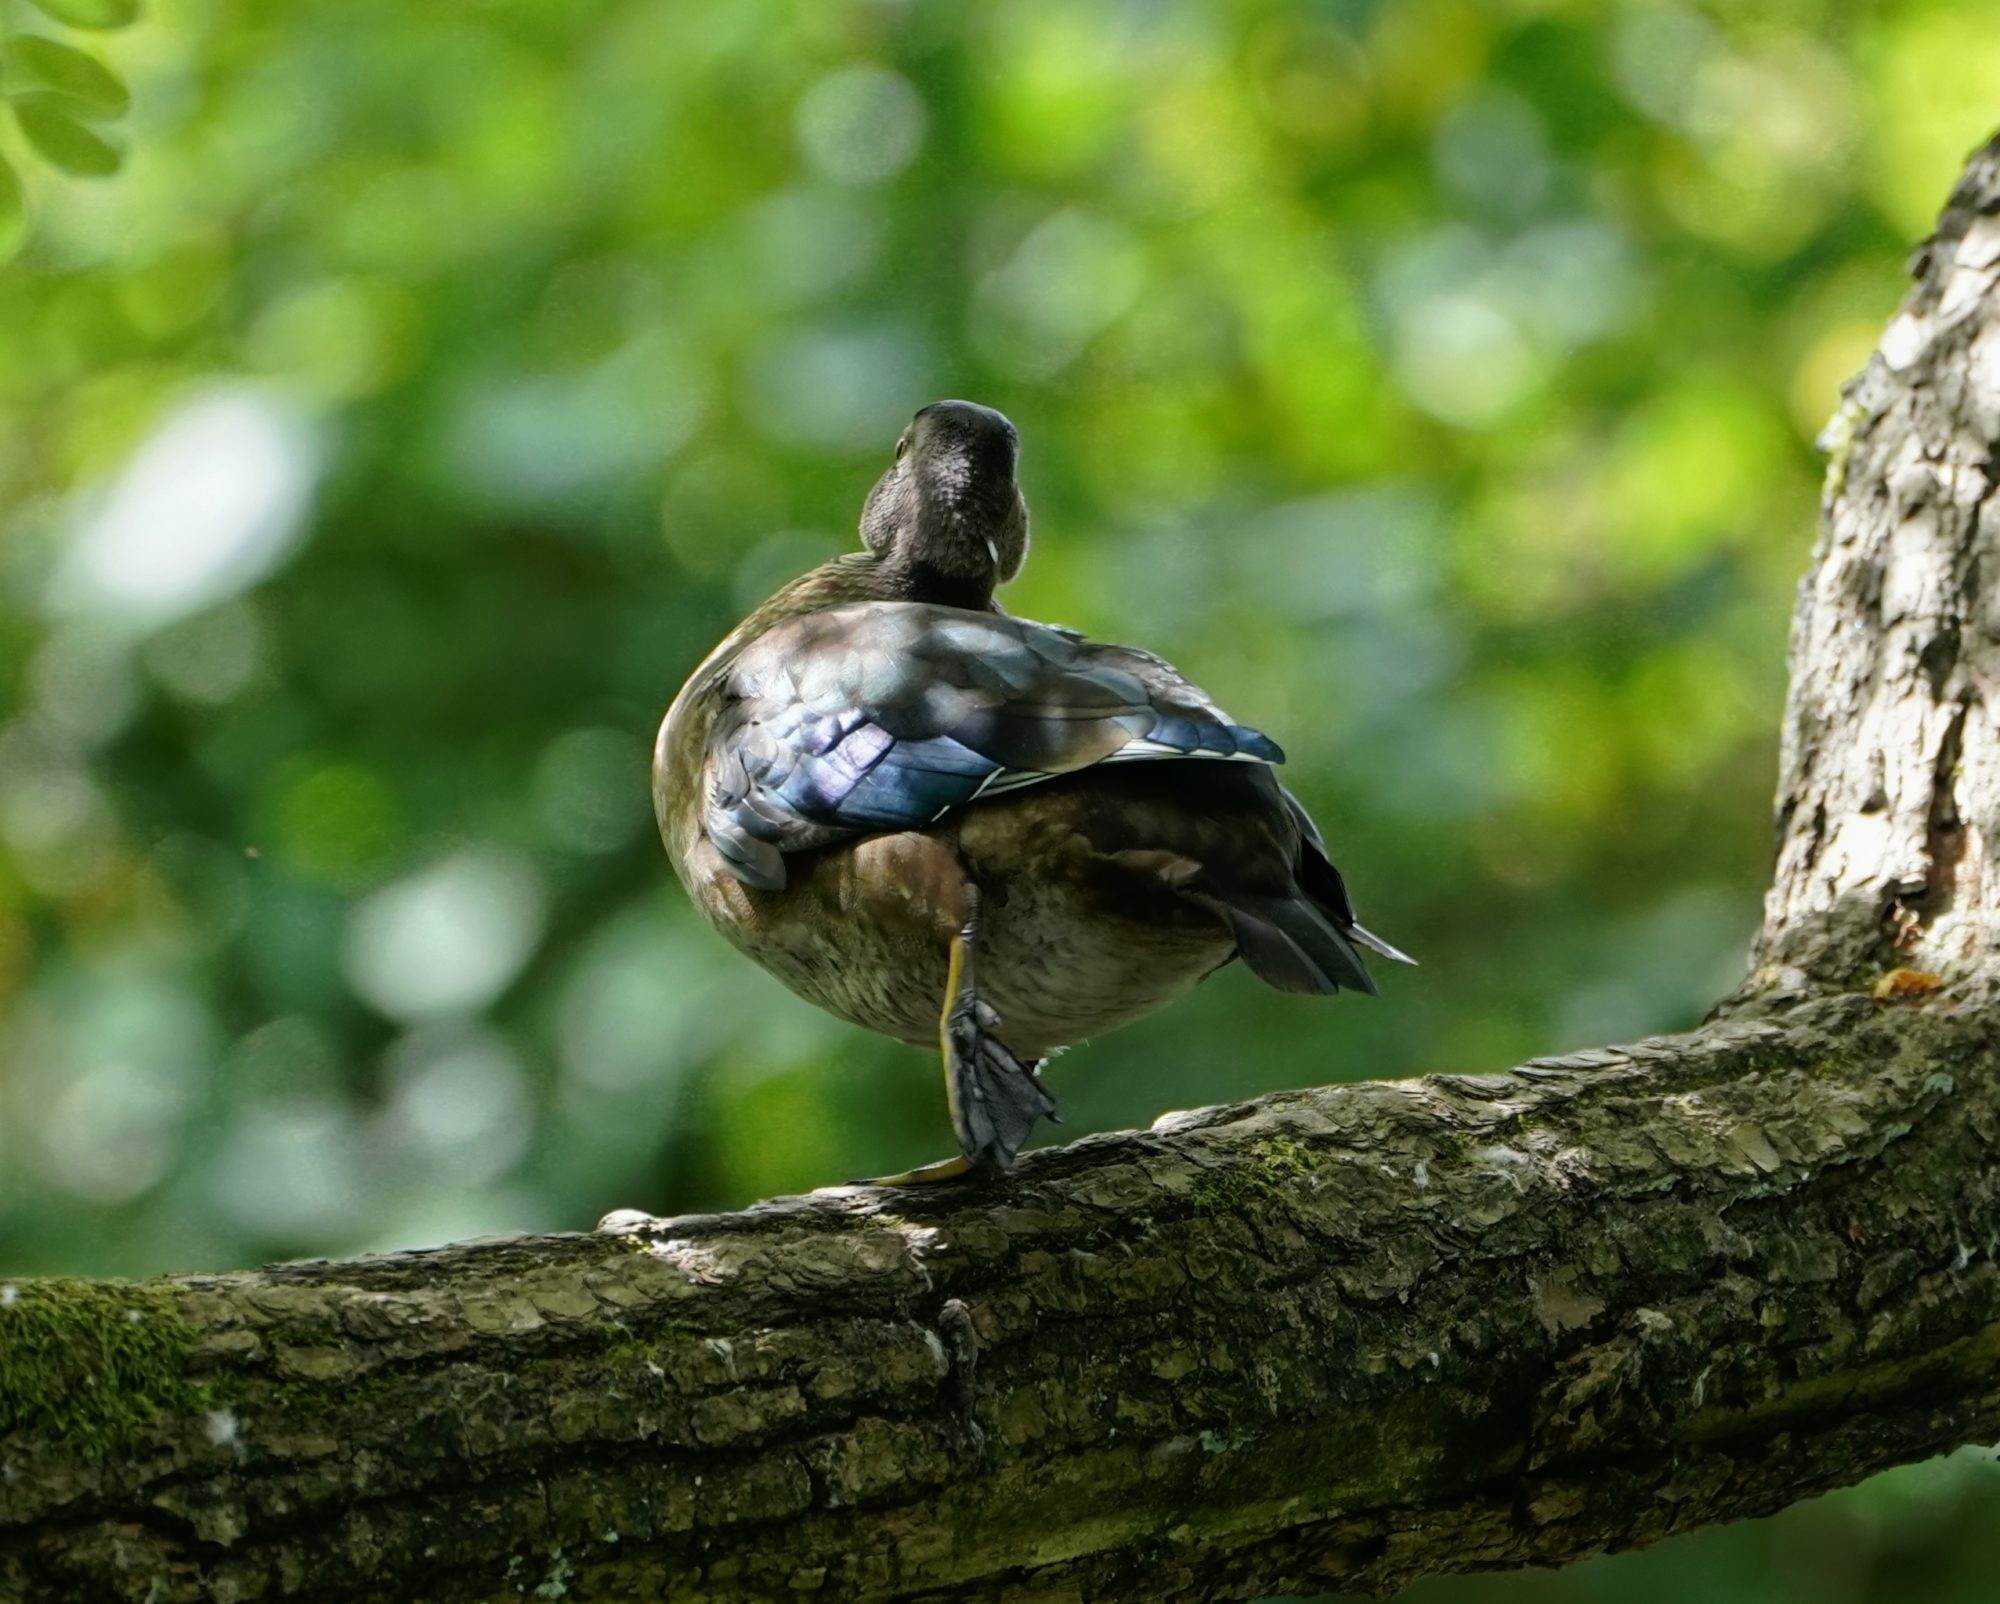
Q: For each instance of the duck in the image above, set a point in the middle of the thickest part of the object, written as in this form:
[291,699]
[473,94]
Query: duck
[985,836]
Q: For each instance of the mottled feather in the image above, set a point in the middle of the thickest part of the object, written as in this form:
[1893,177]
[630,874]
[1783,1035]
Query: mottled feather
[887,715]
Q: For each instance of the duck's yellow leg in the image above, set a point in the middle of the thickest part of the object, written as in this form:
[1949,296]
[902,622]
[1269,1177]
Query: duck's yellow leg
[995,1099]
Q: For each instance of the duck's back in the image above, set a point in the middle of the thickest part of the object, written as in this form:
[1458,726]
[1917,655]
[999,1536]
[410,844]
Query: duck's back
[889,715]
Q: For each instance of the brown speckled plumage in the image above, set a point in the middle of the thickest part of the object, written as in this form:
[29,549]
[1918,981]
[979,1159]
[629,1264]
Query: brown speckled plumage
[864,780]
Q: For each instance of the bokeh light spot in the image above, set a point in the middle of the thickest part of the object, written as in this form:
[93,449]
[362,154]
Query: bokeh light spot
[1492,153]
[113,1132]
[645,998]
[211,657]
[1464,358]
[57,824]
[842,388]
[459,1104]
[810,241]
[861,125]
[212,501]
[1070,277]
[447,939]
[84,684]
[541,439]
[338,337]
[292,1167]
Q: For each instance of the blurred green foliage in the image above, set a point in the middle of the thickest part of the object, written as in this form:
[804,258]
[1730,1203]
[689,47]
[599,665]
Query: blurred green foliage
[1435,382]
[55,92]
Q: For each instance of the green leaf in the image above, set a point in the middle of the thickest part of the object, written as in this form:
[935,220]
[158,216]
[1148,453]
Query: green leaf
[51,127]
[90,13]
[85,79]
[13,212]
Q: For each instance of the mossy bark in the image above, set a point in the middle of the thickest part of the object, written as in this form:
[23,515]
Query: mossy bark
[1333,1338]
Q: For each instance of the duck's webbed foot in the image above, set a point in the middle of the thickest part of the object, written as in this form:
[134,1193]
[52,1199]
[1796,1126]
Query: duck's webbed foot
[995,1097]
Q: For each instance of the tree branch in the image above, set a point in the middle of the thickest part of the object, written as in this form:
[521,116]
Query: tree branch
[1333,1338]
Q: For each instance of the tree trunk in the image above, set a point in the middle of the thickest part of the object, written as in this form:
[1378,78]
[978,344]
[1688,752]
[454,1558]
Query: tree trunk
[1891,763]
[1334,1338]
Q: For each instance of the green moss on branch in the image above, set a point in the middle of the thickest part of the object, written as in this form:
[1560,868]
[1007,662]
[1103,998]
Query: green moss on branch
[89,1365]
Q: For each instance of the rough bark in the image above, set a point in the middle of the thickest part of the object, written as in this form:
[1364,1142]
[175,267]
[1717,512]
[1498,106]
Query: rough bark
[1890,774]
[1333,1338]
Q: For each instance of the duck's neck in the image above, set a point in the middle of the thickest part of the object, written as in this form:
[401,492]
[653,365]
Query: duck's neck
[860,576]
[914,579]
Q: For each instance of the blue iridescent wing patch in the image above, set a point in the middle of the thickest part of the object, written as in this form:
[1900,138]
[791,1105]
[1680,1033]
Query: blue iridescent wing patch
[887,715]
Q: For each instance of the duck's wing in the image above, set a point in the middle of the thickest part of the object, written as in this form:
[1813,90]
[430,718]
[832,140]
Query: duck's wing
[887,715]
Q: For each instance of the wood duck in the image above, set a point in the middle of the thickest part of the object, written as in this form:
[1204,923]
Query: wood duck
[965,829]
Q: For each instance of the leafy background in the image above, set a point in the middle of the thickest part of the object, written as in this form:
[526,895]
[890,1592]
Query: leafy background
[400,399]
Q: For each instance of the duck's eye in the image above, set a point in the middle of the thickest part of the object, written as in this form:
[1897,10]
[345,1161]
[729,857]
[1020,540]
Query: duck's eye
[902,448]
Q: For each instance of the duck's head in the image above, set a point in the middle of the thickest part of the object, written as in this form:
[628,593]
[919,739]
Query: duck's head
[948,509]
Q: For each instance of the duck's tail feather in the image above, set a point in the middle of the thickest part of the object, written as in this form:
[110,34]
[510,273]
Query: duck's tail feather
[1375,943]
[1321,882]
[1290,944]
